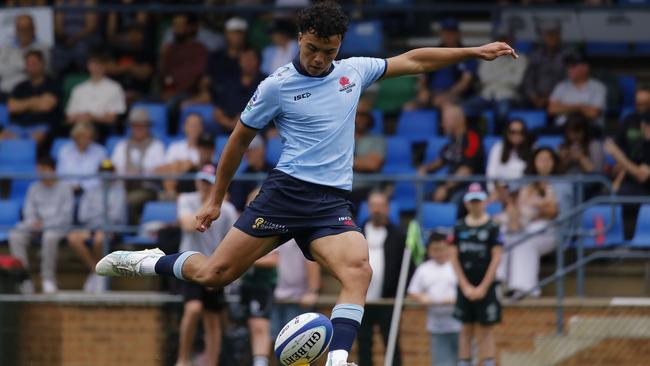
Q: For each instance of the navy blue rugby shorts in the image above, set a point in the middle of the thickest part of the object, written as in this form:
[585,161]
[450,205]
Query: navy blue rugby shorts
[294,209]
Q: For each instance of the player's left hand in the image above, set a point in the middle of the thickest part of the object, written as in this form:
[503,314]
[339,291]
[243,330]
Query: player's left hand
[493,50]
[479,292]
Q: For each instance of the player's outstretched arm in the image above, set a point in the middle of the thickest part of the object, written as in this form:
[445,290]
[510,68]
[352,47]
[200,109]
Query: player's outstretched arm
[230,159]
[422,60]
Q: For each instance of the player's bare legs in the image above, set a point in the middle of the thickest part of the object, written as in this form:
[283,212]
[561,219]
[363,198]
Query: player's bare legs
[345,256]
[260,329]
[465,344]
[191,315]
[486,345]
[212,329]
[236,254]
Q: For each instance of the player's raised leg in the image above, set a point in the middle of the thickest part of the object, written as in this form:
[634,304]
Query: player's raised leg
[346,257]
[236,253]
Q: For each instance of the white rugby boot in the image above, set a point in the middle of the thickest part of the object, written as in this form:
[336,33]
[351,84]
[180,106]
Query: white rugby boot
[127,263]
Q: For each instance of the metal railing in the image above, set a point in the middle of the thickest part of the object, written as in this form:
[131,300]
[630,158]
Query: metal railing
[420,182]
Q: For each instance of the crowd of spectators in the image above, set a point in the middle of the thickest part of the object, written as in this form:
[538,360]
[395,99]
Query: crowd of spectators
[111,63]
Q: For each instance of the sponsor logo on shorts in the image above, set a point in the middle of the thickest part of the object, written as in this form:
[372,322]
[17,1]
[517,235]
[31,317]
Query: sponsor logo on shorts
[262,224]
[304,349]
[346,85]
[347,220]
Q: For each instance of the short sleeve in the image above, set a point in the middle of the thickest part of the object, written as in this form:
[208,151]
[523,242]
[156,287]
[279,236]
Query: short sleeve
[599,99]
[371,69]
[263,106]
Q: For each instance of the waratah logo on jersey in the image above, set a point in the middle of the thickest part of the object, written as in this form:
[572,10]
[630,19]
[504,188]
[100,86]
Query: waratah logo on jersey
[346,85]
[262,224]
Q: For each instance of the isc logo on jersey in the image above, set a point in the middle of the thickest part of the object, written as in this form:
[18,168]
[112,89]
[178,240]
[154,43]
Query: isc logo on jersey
[303,339]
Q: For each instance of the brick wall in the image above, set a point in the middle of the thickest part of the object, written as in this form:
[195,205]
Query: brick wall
[50,334]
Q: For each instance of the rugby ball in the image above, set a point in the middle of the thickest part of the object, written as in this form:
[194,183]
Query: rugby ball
[304,339]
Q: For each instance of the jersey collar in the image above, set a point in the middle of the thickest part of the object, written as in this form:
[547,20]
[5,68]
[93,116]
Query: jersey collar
[301,71]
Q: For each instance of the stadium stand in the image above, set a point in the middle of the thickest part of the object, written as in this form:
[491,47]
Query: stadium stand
[152,213]
[604,224]
[363,215]
[9,216]
[438,215]
[417,126]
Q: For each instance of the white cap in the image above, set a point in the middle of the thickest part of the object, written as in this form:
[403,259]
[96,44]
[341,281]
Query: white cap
[236,24]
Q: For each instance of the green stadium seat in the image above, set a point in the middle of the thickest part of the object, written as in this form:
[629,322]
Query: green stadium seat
[394,92]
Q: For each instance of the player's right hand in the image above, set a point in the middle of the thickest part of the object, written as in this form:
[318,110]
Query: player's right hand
[208,213]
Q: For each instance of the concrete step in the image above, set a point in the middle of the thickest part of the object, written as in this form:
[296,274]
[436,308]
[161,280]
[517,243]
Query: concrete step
[554,349]
[619,327]
[522,359]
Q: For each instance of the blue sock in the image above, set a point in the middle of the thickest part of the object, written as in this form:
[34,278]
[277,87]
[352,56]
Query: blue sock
[346,319]
[172,265]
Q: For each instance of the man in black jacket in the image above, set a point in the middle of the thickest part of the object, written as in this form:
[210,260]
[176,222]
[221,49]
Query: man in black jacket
[386,248]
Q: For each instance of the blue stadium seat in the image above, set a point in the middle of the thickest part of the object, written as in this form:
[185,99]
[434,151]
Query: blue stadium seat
[488,116]
[627,86]
[19,188]
[524,47]
[364,38]
[378,127]
[57,144]
[398,154]
[642,232]
[405,195]
[417,126]
[617,49]
[488,143]
[158,116]
[643,48]
[162,211]
[534,118]
[4,115]
[17,156]
[549,141]
[9,216]
[438,215]
[363,214]
[601,215]
[220,145]
[494,208]
[205,111]
[434,148]
[273,150]
[111,142]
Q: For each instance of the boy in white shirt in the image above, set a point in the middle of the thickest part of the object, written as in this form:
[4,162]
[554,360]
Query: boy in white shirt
[434,283]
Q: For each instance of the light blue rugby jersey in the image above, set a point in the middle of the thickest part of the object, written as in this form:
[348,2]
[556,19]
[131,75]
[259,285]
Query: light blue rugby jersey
[314,116]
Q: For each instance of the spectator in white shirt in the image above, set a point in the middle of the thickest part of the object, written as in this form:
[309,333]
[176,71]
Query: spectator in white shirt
[579,93]
[434,284]
[91,215]
[99,99]
[139,154]
[500,83]
[508,158]
[12,53]
[182,156]
[81,156]
[283,49]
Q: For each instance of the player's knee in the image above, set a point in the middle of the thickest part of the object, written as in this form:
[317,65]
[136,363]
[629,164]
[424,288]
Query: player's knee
[193,308]
[358,271]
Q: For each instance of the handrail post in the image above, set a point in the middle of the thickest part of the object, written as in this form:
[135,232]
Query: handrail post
[106,219]
[559,288]
[580,275]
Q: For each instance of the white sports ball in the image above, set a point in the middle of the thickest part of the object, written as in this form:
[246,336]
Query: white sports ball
[304,339]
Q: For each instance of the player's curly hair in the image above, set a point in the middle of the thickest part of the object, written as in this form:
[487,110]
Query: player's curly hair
[323,19]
